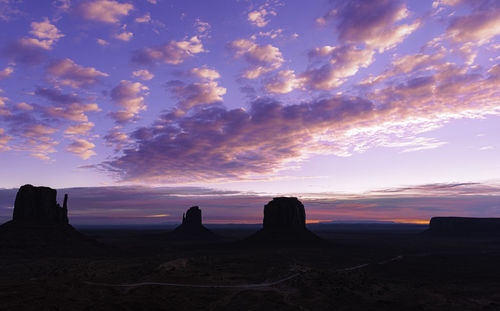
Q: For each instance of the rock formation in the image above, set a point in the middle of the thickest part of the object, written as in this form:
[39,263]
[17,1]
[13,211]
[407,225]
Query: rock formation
[192,218]
[284,223]
[464,226]
[39,222]
[283,214]
[39,205]
[191,227]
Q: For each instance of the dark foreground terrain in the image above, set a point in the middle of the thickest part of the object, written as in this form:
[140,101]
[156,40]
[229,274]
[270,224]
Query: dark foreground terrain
[361,267]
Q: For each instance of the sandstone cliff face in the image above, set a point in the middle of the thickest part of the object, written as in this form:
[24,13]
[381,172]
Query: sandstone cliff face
[39,205]
[464,226]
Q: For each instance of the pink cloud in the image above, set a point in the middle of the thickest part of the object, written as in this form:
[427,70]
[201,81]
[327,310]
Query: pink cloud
[263,58]
[130,97]
[82,148]
[106,11]
[67,72]
[173,52]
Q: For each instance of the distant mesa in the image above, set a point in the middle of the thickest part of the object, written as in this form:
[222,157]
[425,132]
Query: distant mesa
[284,222]
[464,227]
[39,221]
[191,227]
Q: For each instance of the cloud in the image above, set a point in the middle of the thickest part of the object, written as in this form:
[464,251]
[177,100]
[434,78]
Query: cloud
[29,133]
[102,42]
[144,19]
[258,17]
[205,73]
[57,96]
[44,36]
[8,10]
[45,31]
[173,52]
[263,58]
[143,74]
[284,82]
[24,106]
[407,64]
[344,62]
[374,23]
[213,143]
[4,140]
[67,72]
[67,106]
[82,148]
[124,36]
[23,51]
[217,143]
[106,11]
[116,138]
[196,94]
[479,27]
[73,112]
[79,129]
[203,28]
[7,71]
[129,96]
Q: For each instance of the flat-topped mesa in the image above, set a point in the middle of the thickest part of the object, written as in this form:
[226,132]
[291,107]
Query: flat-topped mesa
[284,213]
[464,226]
[39,205]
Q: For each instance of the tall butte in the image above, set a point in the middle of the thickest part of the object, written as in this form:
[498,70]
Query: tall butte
[284,223]
[39,221]
[191,227]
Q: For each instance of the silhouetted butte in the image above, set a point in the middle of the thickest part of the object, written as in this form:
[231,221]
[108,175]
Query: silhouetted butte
[284,223]
[192,227]
[39,221]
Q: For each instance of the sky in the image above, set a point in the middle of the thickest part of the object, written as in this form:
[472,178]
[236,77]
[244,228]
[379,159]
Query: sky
[369,110]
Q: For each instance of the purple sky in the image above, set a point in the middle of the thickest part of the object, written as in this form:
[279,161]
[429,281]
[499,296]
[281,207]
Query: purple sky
[335,101]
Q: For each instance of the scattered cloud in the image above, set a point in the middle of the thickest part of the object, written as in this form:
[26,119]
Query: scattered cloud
[284,82]
[129,96]
[196,94]
[79,129]
[7,71]
[146,18]
[117,138]
[203,28]
[67,72]
[24,106]
[82,148]
[143,74]
[106,11]
[124,36]
[377,24]
[173,52]
[73,112]
[4,140]
[344,62]
[205,73]
[102,42]
[259,17]
[215,143]
[262,58]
